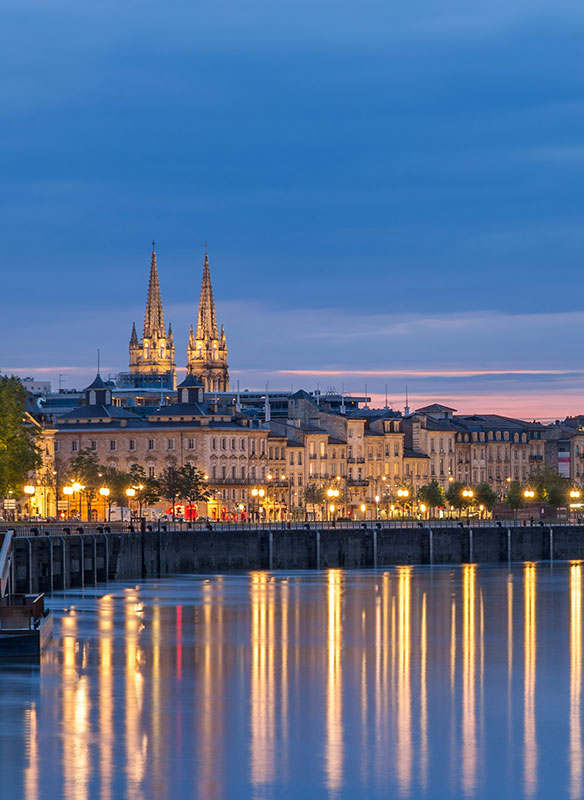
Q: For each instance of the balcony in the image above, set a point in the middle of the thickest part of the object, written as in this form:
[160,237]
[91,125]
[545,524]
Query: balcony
[536,458]
[357,482]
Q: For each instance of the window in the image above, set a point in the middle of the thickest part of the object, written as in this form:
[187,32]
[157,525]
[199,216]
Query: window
[170,444]
[322,455]
[233,444]
[190,444]
[291,458]
[57,447]
[150,444]
[396,449]
[242,444]
[151,472]
[113,444]
[93,445]
[132,444]
[74,447]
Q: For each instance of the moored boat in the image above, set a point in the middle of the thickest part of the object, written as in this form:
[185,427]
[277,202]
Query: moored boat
[26,626]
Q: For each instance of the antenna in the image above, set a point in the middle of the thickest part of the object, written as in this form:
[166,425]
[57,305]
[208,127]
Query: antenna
[407,407]
[366,404]
[386,395]
[98,355]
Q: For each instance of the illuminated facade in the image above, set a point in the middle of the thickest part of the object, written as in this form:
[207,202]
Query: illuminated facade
[153,355]
[207,349]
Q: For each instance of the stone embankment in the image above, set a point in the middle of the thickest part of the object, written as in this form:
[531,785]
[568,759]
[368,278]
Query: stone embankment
[58,562]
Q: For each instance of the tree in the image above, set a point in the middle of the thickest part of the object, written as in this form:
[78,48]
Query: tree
[514,497]
[314,496]
[557,494]
[455,496]
[550,485]
[19,451]
[432,495]
[485,496]
[84,469]
[170,486]
[192,485]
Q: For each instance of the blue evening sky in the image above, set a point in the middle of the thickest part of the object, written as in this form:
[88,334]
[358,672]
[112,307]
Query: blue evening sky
[388,190]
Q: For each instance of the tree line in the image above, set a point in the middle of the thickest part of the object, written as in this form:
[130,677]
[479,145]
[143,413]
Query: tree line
[185,483]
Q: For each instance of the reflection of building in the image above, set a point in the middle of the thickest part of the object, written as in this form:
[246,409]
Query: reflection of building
[153,355]
[207,350]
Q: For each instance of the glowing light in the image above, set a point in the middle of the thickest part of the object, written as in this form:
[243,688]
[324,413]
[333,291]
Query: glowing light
[29,489]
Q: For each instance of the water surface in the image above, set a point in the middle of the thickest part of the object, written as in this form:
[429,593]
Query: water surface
[408,682]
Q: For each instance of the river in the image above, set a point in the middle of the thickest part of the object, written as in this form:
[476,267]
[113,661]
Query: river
[406,682]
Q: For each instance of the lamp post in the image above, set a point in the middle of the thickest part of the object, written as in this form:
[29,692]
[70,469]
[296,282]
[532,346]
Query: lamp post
[105,493]
[468,494]
[376,506]
[332,493]
[403,494]
[257,494]
[574,496]
[68,491]
[29,492]
[363,509]
[78,488]
[130,492]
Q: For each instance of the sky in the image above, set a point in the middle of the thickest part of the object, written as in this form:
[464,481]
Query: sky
[392,194]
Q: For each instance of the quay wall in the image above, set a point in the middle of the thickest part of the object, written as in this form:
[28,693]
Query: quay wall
[49,563]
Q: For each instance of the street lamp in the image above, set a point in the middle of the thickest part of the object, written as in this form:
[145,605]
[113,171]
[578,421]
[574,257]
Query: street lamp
[528,493]
[131,492]
[78,488]
[403,494]
[331,493]
[468,494]
[363,509]
[68,491]
[105,492]
[29,491]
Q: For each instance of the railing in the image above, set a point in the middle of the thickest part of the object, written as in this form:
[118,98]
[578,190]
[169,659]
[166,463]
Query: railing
[344,524]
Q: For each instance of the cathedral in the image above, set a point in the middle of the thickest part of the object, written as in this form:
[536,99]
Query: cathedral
[152,357]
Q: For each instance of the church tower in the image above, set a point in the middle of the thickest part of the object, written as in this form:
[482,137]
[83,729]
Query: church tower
[207,350]
[153,355]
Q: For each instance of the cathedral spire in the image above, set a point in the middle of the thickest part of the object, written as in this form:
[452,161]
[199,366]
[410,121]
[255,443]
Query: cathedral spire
[207,349]
[154,317]
[134,336]
[206,321]
[152,357]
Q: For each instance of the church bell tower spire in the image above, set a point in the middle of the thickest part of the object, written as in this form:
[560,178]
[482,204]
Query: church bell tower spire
[207,350]
[153,355]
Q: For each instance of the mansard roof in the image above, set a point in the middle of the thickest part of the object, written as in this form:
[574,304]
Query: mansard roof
[434,408]
[189,382]
[98,383]
[97,412]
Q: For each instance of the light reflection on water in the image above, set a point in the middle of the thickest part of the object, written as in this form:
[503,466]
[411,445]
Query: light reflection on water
[407,682]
